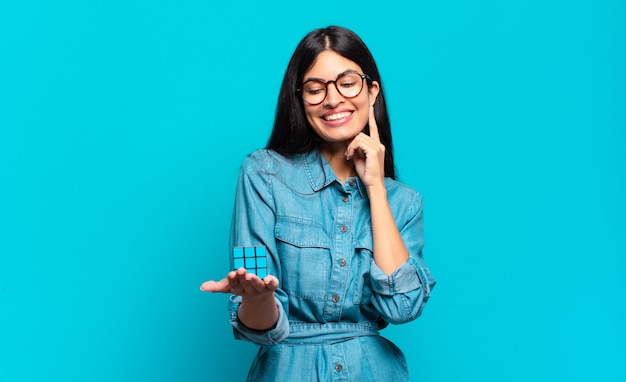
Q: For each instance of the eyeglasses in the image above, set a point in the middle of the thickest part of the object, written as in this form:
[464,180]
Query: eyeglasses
[349,84]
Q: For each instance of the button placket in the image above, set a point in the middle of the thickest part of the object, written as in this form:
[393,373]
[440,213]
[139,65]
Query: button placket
[338,362]
[341,249]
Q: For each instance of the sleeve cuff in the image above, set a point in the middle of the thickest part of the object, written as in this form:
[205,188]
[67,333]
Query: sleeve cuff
[260,337]
[407,278]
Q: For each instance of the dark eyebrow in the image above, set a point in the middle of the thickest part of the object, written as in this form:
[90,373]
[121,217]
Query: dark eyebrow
[324,81]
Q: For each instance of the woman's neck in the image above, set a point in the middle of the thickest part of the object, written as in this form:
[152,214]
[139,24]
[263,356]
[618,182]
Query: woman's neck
[335,156]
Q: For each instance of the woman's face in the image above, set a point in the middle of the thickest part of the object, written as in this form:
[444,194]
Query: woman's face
[338,119]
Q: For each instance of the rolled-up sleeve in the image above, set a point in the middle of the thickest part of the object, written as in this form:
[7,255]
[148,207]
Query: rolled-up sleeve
[261,337]
[401,296]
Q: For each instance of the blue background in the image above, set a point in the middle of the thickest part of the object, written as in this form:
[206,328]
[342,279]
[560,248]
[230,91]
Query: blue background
[123,124]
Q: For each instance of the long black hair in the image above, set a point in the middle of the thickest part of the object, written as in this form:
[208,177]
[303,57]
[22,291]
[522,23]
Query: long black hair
[291,133]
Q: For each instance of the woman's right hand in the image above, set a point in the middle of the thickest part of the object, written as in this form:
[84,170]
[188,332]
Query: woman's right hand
[258,309]
[242,283]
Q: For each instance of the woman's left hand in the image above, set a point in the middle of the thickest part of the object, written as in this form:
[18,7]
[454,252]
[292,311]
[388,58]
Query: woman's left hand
[368,155]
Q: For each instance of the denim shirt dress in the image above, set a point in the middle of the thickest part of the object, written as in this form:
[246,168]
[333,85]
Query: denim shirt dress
[332,297]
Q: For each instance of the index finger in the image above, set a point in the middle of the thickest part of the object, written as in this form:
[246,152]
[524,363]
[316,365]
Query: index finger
[271,282]
[373,126]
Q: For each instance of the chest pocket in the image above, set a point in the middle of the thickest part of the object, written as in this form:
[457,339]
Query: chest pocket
[304,250]
[364,250]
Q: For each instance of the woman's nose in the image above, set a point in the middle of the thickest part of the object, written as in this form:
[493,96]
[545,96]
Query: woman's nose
[333,97]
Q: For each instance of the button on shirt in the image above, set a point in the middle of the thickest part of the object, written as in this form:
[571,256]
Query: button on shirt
[318,236]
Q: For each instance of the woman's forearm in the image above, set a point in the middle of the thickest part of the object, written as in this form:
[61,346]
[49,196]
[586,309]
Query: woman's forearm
[258,313]
[389,249]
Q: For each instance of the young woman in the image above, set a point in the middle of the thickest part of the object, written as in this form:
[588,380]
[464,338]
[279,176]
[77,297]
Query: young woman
[344,239]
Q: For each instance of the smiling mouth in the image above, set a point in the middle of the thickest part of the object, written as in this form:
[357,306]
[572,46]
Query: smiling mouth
[337,116]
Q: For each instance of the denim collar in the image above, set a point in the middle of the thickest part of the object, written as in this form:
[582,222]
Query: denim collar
[320,174]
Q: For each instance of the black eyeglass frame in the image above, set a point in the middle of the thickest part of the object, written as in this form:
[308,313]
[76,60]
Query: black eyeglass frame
[326,83]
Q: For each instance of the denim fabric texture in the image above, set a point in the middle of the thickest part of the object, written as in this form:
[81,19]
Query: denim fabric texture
[332,298]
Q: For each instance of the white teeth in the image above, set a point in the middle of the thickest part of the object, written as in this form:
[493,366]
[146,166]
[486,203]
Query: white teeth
[336,117]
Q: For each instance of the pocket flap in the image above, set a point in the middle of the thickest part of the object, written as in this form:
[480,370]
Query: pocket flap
[301,232]
[365,239]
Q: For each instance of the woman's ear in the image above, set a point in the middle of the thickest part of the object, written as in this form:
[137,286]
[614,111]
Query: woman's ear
[373,92]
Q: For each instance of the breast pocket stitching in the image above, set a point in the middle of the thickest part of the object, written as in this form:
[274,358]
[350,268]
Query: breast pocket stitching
[304,250]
